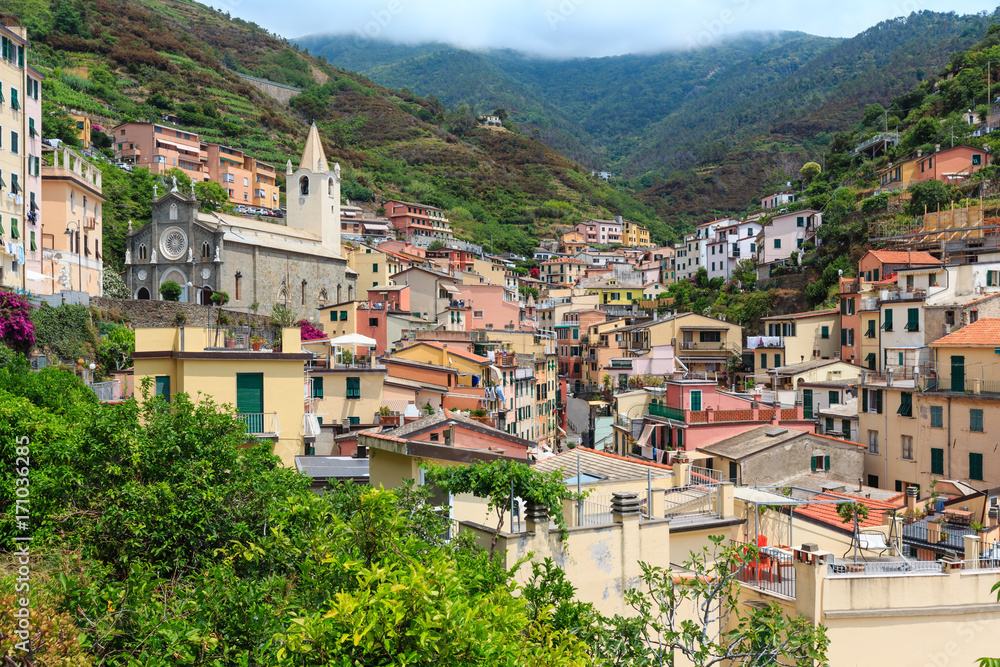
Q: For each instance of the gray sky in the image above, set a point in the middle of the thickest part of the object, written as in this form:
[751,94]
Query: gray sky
[568,28]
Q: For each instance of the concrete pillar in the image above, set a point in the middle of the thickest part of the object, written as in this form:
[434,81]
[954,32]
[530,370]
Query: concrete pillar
[810,570]
[536,519]
[710,413]
[682,470]
[973,547]
[727,500]
[755,409]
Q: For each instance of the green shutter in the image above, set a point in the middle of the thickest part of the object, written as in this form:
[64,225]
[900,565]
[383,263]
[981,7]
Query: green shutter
[826,463]
[843,306]
[870,360]
[695,401]
[843,336]
[354,387]
[878,401]
[937,416]
[912,319]
[343,315]
[834,397]
[871,329]
[14,232]
[333,316]
[813,463]
[250,393]
[976,420]
[937,461]
[864,400]
[317,387]
[163,387]
[905,404]
[824,332]
[887,322]
[830,426]
[33,241]
[975,466]
[807,404]
[875,275]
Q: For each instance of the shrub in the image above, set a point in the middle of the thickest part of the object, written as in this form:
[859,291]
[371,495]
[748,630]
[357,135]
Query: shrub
[171,291]
[309,332]
[16,328]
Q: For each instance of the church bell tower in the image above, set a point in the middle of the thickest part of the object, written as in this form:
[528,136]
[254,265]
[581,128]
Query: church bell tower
[313,194]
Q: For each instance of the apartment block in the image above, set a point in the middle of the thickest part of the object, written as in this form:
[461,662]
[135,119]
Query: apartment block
[418,220]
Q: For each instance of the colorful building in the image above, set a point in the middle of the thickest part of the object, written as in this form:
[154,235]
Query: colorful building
[414,219]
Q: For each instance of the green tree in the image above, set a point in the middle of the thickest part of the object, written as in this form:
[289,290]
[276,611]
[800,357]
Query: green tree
[809,171]
[114,285]
[66,18]
[928,196]
[212,197]
[500,482]
[56,124]
[723,630]
[171,291]
[874,115]
[437,245]
[115,348]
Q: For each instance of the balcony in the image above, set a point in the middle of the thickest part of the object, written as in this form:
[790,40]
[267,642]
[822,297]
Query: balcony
[703,347]
[666,412]
[621,364]
[242,338]
[903,295]
[261,424]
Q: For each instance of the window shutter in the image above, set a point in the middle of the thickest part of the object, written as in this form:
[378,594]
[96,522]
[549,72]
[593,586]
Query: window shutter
[317,387]
[843,306]
[814,464]
[878,401]
[826,463]
[937,461]
[864,400]
[912,319]
[163,386]
[975,466]
[843,336]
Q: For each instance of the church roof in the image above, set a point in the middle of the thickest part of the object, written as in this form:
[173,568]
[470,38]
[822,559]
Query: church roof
[313,157]
[237,229]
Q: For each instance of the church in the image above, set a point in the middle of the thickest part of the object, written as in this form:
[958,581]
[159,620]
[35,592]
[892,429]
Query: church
[298,265]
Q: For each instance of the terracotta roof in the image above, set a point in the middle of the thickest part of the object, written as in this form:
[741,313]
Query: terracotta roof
[452,350]
[982,332]
[611,467]
[827,512]
[904,257]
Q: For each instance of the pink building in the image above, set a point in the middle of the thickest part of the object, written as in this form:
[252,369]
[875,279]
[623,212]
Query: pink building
[483,307]
[373,316]
[950,165]
[33,241]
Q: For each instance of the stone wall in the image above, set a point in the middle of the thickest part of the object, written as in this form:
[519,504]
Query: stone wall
[162,313]
[278,91]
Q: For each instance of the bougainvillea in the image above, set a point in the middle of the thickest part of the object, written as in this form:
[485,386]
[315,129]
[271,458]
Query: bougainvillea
[16,329]
[309,332]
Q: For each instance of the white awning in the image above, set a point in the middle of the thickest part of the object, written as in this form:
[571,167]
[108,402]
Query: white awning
[35,275]
[760,497]
[646,432]
[450,288]
[353,339]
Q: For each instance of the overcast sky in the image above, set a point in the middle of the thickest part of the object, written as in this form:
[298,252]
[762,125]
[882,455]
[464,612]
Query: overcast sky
[568,28]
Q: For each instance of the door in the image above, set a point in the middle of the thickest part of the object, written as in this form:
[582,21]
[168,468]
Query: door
[807,403]
[958,374]
[250,400]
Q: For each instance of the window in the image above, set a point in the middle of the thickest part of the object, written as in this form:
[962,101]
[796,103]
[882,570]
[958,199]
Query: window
[763,361]
[913,319]
[976,420]
[873,481]
[937,461]
[834,397]
[870,360]
[937,416]
[777,243]
[906,447]
[873,442]
[373,322]
[872,398]
[830,426]
[710,336]
[343,315]
[887,321]
[824,332]
[798,243]
[695,400]
[977,159]
[976,466]
[777,360]
[870,331]
[353,388]
[14,104]
[163,387]
[905,404]
[317,387]
[820,463]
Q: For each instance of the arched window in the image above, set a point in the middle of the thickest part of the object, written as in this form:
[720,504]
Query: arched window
[143,252]
[142,294]
[282,294]
[303,292]
[330,187]
[338,294]
[206,250]
[350,293]
[304,185]
[173,211]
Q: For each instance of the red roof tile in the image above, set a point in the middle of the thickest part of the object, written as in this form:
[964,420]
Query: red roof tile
[453,350]
[904,257]
[982,332]
[827,512]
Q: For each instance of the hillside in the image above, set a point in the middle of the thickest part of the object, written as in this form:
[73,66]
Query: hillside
[122,61]
[694,133]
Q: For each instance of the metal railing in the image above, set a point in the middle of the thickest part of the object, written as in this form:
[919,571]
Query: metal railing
[842,568]
[766,568]
[666,412]
[942,536]
[240,337]
[595,510]
[261,423]
[115,390]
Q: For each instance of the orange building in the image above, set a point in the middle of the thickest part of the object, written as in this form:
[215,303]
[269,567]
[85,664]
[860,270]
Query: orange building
[418,219]
[247,180]
[159,148]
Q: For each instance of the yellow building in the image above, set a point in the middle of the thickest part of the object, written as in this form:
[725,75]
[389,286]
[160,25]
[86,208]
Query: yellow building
[348,394]
[634,235]
[613,292]
[704,345]
[468,365]
[374,267]
[266,388]
[793,339]
[73,204]
[83,128]
[601,344]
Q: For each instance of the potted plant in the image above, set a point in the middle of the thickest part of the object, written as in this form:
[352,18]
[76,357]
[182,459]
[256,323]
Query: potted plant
[386,417]
[230,339]
[256,342]
[931,506]
[481,416]
[977,527]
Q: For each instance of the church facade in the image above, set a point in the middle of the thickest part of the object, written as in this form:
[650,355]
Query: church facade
[298,265]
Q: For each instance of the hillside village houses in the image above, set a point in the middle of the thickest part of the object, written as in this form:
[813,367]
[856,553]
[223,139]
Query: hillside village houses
[680,424]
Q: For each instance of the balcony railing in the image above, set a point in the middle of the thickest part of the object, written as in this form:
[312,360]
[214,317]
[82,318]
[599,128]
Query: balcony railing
[903,295]
[239,338]
[107,392]
[262,424]
[667,412]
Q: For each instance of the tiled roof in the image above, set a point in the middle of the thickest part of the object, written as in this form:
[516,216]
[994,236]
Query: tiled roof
[904,257]
[982,332]
[453,350]
[827,512]
[610,466]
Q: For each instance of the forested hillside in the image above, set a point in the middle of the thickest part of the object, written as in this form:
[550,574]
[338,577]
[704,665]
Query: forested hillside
[143,60]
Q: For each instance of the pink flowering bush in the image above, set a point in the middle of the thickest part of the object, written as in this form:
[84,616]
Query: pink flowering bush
[16,329]
[309,332]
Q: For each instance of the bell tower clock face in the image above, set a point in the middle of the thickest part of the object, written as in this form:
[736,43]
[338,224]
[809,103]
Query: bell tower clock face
[173,243]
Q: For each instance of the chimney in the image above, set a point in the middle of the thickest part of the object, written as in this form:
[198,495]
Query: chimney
[911,499]
[937,148]
[920,152]
[619,219]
